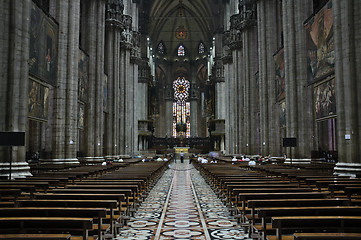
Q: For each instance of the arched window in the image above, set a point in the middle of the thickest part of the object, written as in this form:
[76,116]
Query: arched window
[181,108]
[161,48]
[201,48]
[181,51]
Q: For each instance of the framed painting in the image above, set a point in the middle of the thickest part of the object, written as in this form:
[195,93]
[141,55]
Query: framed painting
[38,101]
[325,99]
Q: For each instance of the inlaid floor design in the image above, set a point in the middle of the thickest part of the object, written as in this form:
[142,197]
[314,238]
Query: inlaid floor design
[182,206]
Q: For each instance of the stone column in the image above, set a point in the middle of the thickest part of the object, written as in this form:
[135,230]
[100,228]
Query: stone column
[228,120]
[136,94]
[168,120]
[113,68]
[66,90]
[299,101]
[347,36]
[267,41]
[128,105]
[94,46]
[193,98]
[249,69]
[14,78]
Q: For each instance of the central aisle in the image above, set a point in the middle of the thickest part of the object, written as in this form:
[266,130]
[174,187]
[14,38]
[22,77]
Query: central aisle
[182,206]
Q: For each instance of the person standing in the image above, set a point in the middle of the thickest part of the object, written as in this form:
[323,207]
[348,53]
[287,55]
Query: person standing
[181,156]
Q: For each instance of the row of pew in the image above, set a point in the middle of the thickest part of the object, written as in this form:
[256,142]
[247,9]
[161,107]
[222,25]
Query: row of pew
[83,202]
[280,201]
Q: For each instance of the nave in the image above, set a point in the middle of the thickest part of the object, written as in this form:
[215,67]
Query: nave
[182,206]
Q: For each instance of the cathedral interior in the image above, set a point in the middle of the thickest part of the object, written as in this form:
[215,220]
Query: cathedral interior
[85,81]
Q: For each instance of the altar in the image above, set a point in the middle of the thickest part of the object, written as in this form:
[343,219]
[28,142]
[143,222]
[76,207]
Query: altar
[181,149]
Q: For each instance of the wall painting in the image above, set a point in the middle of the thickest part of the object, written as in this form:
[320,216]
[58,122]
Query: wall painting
[283,114]
[105,92]
[80,115]
[320,44]
[280,75]
[83,69]
[43,46]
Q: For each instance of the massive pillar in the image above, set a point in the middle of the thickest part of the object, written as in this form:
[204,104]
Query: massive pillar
[93,34]
[193,98]
[135,61]
[299,102]
[249,55]
[229,144]
[267,42]
[113,57]
[66,91]
[14,49]
[347,36]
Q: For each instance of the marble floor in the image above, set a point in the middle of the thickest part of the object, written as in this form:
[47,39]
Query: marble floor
[182,206]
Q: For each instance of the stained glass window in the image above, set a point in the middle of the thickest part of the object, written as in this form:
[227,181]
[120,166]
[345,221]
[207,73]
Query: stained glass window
[181,51]
[201,48]
[161,48]
[181,108]
[181,89]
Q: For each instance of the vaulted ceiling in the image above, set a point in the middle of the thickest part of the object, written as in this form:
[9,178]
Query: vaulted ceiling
[194,21]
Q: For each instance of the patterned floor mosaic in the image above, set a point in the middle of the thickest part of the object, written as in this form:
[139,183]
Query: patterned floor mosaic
[182,206]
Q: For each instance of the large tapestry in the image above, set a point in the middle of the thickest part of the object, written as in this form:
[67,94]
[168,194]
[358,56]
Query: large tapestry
[320,44]
[43,46]
[325,99]
[83,68]
[280,75]
[38,101]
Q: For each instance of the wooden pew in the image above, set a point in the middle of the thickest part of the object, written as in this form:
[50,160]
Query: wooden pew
[110,205]
[121,192]
[35,236]
[245,197]
[57,224]
[94,213]
[74,196]
[326,236]
[14,193]
[23,187]
[340,187]
[352,191]
[43,185]
[105,187]
[267,213]
[320,223]
[256,204]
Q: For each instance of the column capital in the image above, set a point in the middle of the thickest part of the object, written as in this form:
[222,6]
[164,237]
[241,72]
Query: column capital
[144,74]
[233,39]
[114,13]
[218,71]
[247,16]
